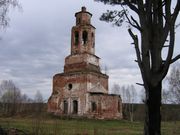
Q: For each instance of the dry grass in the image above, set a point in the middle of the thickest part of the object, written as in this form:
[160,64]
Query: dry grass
[52,126]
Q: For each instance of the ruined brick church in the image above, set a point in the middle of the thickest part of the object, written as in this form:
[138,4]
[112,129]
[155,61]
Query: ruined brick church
[82,89]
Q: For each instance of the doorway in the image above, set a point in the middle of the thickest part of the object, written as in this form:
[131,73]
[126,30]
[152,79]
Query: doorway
[75,107]
[65,107]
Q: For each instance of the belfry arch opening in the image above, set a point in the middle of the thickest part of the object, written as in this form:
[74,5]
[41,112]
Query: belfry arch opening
[92,34]
[76,37]
[85,37]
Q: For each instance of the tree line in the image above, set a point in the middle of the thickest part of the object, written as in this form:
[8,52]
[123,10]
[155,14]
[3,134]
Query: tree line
[170,95]
[13,102]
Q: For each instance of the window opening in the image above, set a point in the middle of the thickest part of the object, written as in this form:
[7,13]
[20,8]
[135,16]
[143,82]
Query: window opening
[119,108]
[85,37]
[76,37]
[93,45]
[92,34]
[70,86]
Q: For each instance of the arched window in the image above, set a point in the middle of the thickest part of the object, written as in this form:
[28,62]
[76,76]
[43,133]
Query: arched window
[76,37]
[85,37]
[70,86]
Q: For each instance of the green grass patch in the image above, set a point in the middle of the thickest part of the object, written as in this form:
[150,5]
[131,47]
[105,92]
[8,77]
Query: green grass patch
[54,126]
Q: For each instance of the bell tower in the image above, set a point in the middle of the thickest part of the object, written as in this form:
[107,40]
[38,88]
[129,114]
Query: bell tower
[83,34]
[82,57]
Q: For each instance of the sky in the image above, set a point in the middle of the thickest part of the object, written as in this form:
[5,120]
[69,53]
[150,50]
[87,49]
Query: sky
[37,40]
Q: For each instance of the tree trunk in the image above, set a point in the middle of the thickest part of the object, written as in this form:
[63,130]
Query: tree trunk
[152,124]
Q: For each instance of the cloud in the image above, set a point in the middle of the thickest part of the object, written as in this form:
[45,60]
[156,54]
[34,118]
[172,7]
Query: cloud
[33,48]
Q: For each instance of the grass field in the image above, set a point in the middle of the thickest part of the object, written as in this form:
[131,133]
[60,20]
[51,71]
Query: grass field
[52,126]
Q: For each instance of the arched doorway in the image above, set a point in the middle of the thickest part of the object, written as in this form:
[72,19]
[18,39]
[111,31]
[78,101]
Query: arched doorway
[65,107]
[94,106]
[75,107]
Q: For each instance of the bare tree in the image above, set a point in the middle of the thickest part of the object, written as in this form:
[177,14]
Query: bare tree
[128,94]
[155,21]
[142,95]
[38,100]
[174,85]
[26,106]
[11,97]
[121,90]
[106,69]
[38,97]
[116,89]
[131,97]
[4,9]
[12,101]
[165,96]
[0,93]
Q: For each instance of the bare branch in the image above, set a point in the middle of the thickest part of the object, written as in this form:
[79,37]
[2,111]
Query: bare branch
[166,46]
[132,7]
[175,58]
[140,84]
[170,53]
[134,37]
[170,19]
[167,21]
[176,12]
[136,61]
[136,23]
[4,9]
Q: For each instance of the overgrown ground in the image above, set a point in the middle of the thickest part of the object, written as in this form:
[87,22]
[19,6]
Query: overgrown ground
[60,126]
